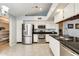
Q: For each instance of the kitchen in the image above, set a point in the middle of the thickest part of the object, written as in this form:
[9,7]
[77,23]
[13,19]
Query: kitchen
[37,31]
[55,28]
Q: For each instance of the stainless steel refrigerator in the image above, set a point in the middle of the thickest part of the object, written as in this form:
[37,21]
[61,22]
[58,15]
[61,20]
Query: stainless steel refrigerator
[27,33]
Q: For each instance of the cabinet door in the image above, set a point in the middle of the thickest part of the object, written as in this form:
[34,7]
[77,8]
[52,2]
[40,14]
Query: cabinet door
[76,8]
[69,10]
[55,46]
[36,26]
[47,37]
[35,37]
[58,17]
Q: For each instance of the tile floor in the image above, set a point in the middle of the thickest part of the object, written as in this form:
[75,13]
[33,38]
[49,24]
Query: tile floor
[41,41]
[27,50]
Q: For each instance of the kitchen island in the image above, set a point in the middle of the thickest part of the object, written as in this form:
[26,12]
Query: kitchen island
[64,45]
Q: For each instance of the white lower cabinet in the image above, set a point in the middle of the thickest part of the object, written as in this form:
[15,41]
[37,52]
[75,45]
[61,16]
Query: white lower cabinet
[55,46]
[35,38]
[60,50]
[47,38]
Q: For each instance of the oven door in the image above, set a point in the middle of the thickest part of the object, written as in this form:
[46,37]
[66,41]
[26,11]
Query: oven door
[41,36]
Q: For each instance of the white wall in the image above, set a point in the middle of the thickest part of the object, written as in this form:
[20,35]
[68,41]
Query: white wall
[31,17]
[72,32]
[19,30]
[49,24]
[12,30]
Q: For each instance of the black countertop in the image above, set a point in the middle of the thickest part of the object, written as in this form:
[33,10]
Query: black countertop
[42,32]
[70,42]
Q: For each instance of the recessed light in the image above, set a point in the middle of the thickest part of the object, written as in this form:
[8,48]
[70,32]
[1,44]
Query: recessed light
[59,10]
[39,18]
[36,6]
[40,9]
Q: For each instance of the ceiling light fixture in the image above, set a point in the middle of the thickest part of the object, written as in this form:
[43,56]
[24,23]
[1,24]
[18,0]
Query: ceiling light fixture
[59,10]
[37,7]
[40,9]
[4,8]
[39,18]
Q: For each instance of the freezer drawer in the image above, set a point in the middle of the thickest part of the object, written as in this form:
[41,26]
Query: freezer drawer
[27,40]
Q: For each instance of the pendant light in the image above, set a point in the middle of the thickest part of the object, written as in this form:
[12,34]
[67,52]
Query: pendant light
[4,10]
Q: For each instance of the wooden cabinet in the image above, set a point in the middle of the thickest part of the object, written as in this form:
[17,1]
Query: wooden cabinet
[4,19]
[4,28]
[4,35]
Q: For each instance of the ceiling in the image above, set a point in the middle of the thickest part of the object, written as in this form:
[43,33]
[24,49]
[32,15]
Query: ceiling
[28,9]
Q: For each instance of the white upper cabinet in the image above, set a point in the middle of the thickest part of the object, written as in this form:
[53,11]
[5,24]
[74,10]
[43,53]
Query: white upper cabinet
[76,8]
[69,10]
[58,17]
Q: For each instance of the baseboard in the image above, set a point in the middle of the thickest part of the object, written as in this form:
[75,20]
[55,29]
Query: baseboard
[47,42]
[35,42]
[19,42]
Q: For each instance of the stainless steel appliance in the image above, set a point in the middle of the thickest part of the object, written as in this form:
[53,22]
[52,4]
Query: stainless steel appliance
[42,30]
[27,33]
